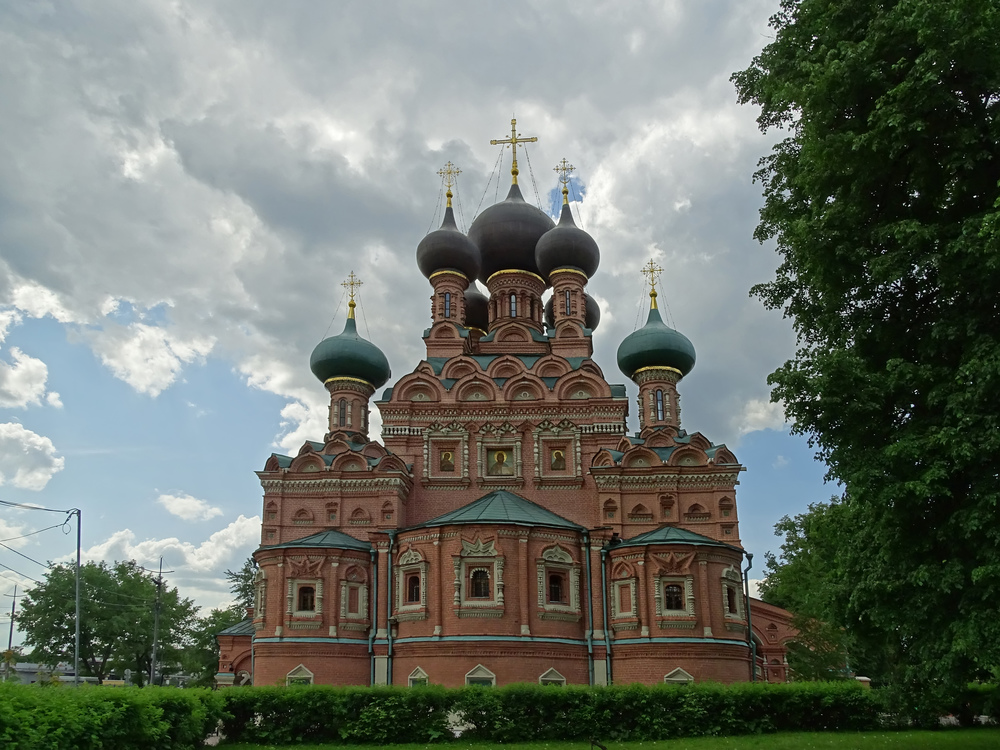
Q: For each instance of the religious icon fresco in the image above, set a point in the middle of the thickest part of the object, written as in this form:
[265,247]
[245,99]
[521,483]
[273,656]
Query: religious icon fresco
[499,464]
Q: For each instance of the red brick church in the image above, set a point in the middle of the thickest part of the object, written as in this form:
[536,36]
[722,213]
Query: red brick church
[508,528]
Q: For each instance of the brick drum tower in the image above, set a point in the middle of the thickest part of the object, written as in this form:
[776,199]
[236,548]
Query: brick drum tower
[507,528]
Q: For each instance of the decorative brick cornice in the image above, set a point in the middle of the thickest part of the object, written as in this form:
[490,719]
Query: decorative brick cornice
[326,485]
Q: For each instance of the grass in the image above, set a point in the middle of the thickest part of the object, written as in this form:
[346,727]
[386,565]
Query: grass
[945,739]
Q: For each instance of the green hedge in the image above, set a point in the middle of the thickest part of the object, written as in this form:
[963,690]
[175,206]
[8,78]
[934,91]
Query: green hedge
[522,713]
[94,718]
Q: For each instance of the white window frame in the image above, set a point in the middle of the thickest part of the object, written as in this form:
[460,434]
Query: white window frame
[687,591]
[555,559]
[731,579]
[299,673]
[678,677]
[479,672]
[411,563]
[294,584]
[418,677]
[474,555]
[551,677]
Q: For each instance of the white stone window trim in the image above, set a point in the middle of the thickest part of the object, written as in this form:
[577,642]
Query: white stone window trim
[564,434]
[447,435]
[678,677]
[476,555]
[298,674]
[362,613]
[260,594]
[558,561]
[731,579]
[294,584]
[551,677]
[632,584]
[418,677]
[479,672]
[687,591]
[511,447]
[410,563]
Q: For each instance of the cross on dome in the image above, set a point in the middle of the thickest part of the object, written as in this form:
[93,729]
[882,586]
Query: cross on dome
[514,139]
[564,168]
[449,173]
[652,271]
[352,283]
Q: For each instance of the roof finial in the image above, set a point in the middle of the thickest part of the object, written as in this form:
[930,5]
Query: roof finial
[449,173]
[352,283]
[653,271]
[513,141]
[564,168]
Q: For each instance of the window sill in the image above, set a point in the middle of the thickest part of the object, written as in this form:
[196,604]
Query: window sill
[483,613]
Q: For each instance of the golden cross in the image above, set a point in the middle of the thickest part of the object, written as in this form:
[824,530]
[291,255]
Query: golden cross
[513,141]
[564,168]
[352,283]
[653,271]
[449,173]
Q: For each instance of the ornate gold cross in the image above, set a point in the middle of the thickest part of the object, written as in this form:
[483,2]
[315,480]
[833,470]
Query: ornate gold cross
[564,168]
[352,283]
[653,271]
[449,173]
[514,139]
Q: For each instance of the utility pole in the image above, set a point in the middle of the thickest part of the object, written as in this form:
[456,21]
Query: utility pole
[156,624]
[9,656]
[76,633]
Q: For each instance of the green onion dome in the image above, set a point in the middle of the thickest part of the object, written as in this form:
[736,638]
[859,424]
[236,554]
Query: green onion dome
[447,248]
[567,246]
[506,234]
[477,308]
[350,356]
[591,313]
[655,345]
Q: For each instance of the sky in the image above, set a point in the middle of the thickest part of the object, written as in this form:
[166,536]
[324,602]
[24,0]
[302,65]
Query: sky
[185,185]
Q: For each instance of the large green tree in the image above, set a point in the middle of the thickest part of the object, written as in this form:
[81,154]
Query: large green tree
[243,582]
[882,197]
[117,607]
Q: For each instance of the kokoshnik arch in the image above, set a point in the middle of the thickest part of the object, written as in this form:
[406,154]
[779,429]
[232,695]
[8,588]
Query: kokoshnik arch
[508,528]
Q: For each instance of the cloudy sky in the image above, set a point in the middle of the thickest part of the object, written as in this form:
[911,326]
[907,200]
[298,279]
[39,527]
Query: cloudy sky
[184,185]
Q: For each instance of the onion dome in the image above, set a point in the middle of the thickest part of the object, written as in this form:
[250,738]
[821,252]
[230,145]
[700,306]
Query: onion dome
[448,248]
[507,233]
[350,356]
[477,308]
[655,345]
[591,314]
[567,246]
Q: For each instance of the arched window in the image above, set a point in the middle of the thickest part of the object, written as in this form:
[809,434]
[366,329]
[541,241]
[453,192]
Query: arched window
[556,588]
[413,589]
[480,580]
[447,304]
[342,412]
[672,597]
[731,605]
[566,303]
[513,305]
[307,599]
[659,405]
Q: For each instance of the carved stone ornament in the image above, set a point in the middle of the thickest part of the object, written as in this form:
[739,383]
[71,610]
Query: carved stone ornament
[305,568]
[675,563]
[478,548]
[409,557]
[557,554]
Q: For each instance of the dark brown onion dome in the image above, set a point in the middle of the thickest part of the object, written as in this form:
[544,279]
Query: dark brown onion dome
[477,308]
[448,248]
[507,233]
[591,315]
[567,246]
[350,356]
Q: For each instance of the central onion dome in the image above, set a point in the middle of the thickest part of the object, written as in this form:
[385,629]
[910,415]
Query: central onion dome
[350,356]
[448,249]
[506,234]
[655,345]
[567,246]
[591,313]
[477,308]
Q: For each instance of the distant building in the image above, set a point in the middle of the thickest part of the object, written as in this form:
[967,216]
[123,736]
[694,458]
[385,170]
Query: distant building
[509,529]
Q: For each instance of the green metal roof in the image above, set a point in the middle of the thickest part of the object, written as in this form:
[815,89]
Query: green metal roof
[329,539]
[503,507]
[674,535]
[244,627]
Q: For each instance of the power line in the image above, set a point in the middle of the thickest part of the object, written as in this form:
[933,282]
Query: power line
[32,507]
[32,533]
[18,572]
[44,565]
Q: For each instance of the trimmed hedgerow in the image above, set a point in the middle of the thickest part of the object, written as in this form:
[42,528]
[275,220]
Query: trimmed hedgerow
[94,718]
[522,713]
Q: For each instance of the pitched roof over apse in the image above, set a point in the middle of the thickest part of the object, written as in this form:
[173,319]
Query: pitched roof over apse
[674,535]
[329,539]
[244,627]
[503,507]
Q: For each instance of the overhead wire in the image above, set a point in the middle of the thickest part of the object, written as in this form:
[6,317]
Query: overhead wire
[334,316]
[44,565]
[18,572]
[32,533]
[487,188]
[534,183]
[32,507]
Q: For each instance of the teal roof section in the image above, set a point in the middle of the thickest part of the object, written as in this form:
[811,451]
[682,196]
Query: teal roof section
[502,507]
[348,355]
[618,391]
[328,539]
[655,345]
[244,627]
[674,535]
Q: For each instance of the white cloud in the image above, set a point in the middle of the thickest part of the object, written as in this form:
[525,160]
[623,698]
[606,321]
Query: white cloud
[754,587]
[779,463]
[222,548]
[188,508]
[758,414]
[27,460]
[39,301]
[23,382]
[148,358]
[8,318]
[8,532]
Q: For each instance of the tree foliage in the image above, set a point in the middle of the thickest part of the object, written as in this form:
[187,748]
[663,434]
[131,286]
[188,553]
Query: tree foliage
[242,583]
[883,200]
[117,605]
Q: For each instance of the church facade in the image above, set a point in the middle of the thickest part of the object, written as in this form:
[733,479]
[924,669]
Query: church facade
[508,528]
